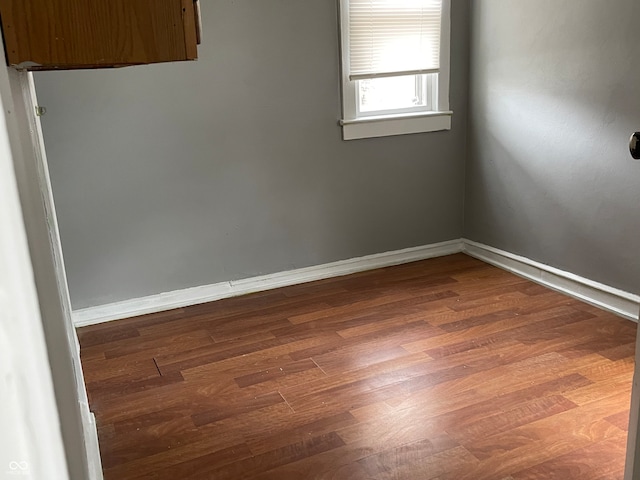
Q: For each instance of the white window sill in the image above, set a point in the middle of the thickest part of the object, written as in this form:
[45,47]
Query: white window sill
[387,125]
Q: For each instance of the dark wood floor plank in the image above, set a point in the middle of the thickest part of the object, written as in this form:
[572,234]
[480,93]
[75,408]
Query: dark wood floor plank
[522,305]
[512,376]
[506,420]
[280,424]
[92,338]
[154,466]
[266,375]
[225,410]
[244,358]
[405,460]
[357,357]
[238,324]
[144,442]
[398,289]
[297,434]
[101,369]
[252,341]
[619,352]
[446,368]
[294,452]
[598,390]
[503,329]
[370,306]
[118,386]
[389,336]
[620,420]
[588,463]
[201,467]
[543,440]
[518,330]
[159,344]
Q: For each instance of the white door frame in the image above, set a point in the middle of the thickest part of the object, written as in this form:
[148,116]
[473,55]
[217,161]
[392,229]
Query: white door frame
[31,445]
[30,174]
[78,427]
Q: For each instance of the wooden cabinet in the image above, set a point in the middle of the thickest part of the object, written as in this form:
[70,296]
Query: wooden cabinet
[67,34]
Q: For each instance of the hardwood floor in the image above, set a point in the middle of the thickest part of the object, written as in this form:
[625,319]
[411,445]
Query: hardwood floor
[442,369]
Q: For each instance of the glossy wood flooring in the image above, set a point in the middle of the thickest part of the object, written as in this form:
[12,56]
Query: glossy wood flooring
[441,369]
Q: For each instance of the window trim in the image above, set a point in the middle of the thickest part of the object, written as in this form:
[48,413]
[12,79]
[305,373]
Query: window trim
[368,126]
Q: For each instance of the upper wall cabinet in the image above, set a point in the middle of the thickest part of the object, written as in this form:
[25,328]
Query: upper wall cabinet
[68,34]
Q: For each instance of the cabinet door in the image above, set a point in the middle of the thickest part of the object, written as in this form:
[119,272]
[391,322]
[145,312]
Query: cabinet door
[63,34]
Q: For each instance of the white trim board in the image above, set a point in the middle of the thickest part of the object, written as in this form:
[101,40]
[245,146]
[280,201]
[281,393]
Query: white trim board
[208,293]
[603,296]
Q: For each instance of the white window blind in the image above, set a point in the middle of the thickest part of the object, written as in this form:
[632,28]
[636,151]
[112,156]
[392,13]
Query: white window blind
[394,37]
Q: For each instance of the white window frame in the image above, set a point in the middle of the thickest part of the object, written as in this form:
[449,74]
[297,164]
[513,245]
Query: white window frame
[356,125]
[426,83]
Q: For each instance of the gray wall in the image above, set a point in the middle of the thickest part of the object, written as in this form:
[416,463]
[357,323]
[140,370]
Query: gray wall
[172,176]
[554,98]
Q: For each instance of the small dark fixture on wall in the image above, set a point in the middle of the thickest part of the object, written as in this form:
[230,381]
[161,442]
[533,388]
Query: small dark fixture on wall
[634,145]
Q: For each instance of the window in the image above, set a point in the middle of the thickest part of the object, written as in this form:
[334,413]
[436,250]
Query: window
[395,67]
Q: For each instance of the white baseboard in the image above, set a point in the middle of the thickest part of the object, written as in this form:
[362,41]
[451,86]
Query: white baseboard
[608,298]
[209,293]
